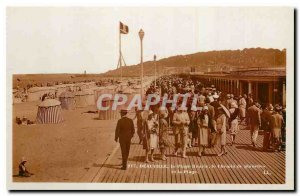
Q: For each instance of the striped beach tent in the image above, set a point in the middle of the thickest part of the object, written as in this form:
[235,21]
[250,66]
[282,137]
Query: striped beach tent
[67,100]
[104,90]
[49,112]
[81,99]
[108,114]
[89,96]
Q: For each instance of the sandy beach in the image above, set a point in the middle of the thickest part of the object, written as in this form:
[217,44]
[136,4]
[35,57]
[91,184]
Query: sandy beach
[60,152]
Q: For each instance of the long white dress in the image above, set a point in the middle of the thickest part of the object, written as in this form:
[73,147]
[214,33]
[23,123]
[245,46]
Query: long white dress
[203,131]
[234,125]
[153,135]
[221,127]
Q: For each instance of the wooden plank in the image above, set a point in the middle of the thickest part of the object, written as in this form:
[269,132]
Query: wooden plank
[189,161]
[256,157]
[143,172]
[238,154]
[245,159]
[205,172]
[182,175]
[225,176]
[150,179]
[168,170]
[134,158]
[142,160]
[147,174]
[216,173]
[175,162]
[188,176]
[234,174]
[200,173]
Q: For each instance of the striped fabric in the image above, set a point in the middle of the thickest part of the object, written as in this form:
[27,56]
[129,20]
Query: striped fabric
[49,115]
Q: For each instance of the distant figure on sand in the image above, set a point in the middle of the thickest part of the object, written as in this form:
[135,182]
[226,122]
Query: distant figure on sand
[23,172]
[124,133]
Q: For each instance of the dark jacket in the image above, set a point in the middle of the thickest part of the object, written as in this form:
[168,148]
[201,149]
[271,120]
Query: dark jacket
[124,129]
[234,115]
[211,116]
[216,105]
[253,116]
[266,118]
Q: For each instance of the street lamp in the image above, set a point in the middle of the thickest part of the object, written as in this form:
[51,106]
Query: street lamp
[141,34]
[185,58]
[155,70]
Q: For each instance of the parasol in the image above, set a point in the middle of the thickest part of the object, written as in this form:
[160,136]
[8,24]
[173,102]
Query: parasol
[227,113]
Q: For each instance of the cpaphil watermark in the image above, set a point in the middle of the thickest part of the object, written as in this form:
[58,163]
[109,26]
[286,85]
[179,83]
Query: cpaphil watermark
[177,101]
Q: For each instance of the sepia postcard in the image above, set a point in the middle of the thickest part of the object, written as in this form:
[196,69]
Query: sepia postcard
[150,98]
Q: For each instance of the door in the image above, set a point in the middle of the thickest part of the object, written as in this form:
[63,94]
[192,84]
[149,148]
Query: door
[263,92]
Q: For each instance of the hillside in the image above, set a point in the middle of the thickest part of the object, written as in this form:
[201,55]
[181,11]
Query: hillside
[215,60]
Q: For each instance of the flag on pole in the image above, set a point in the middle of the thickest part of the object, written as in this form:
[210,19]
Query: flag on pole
[123,28]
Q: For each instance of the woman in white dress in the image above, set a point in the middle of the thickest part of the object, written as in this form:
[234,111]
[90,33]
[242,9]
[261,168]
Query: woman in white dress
[203,135]
[221,130]
[150,141]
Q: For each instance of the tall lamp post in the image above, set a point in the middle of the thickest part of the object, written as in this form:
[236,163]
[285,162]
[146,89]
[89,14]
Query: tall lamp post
[141,34]
[185,58]
[155,71]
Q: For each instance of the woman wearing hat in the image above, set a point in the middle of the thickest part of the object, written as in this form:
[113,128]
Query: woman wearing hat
[233,121]
[276,124]
[150,141]
[193,127]
[203,128]
[242,107]
[221,130]
[139,123]
[163,133]
[181,122]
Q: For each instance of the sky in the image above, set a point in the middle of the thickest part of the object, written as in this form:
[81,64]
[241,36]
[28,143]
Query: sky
[75,39]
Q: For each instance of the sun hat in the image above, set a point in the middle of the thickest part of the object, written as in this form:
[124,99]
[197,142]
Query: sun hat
[215,96]
[233,105]
[194,108]
[23,159]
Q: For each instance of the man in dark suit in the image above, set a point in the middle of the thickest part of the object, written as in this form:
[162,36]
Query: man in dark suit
[124,133]
[266,118]
[254,120]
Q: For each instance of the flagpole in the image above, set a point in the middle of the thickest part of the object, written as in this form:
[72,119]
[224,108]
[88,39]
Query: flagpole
[120,54]
[155,71]
[141,34]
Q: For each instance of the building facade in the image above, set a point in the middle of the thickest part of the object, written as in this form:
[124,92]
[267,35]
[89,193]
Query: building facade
[266,85]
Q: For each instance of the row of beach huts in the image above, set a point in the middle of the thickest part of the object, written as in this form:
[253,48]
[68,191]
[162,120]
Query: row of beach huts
[78,95]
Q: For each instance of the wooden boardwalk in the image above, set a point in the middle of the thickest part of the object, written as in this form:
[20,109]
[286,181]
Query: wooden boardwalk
[242,165]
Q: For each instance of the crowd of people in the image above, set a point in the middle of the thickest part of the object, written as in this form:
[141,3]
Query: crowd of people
[205,125]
